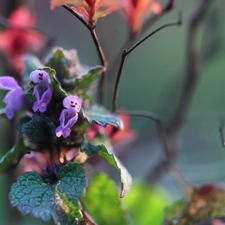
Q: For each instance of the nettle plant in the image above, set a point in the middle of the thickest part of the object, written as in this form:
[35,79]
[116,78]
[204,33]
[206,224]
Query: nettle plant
[61,124]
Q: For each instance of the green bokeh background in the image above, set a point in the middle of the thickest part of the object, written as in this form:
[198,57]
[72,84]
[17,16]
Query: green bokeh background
[152,81]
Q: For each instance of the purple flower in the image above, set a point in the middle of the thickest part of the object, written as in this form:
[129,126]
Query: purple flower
[68,116]
[14,99]
[42,90]
[72,102]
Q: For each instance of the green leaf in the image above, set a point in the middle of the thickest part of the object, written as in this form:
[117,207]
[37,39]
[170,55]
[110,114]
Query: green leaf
[30,195]
[109,157]
[99,115]
[102,202]
[37,128]
[58,62]
[60,200]
[74,174]
[31,63]
[12,156]
[84,82]
[141,199]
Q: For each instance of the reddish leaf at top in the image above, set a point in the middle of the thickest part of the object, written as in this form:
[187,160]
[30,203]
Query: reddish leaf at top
[136,11]
[89,10]
[19,38]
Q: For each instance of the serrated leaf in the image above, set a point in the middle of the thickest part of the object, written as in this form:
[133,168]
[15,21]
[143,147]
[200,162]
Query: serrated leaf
[87,79]
[58,62]
[37,128]
[99,115]
[110,157]
[31,63]
[101,201]
[12,156]
[74,174]
[31,195]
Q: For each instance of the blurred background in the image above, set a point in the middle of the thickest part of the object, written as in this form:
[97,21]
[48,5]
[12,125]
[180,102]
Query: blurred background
[152,81]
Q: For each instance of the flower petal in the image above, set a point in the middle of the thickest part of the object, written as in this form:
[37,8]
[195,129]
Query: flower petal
[8,83]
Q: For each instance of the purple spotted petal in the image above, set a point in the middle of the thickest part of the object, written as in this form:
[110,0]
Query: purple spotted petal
[14,99]
[38,76]
[68,118]
[73,102]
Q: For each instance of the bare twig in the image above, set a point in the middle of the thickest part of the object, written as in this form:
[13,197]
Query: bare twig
[221,133]
[163,140]
[167,8]
[126,52]
[98,48]
[189,86]
[148,23]
[192,72]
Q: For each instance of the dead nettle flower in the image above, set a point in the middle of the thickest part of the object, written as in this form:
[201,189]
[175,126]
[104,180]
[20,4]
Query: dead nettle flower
[68,116]
[14,99]
[42,90]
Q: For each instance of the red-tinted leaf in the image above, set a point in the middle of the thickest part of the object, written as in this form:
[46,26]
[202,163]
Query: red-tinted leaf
[89,10]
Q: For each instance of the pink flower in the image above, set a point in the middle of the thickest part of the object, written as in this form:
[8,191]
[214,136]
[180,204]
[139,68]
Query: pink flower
[16,42]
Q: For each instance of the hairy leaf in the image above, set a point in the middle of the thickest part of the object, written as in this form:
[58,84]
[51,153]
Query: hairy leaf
[38,129]
[58,62]
[30,195]
[99,115]
[110,157]
[102,203]
[60,200]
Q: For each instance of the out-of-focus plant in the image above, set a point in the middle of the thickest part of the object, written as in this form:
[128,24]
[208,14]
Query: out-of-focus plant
[62,126]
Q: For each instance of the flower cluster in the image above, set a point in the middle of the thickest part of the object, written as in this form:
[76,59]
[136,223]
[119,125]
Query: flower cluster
[15,100]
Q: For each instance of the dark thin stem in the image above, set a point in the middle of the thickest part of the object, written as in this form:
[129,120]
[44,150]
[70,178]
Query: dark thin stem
[98,47]
[126,52]
[192,68]
[177,23]
[103,62]
[69,9]
[186,97]
[163,140]
[4,22]
[222,136]
[169,6]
